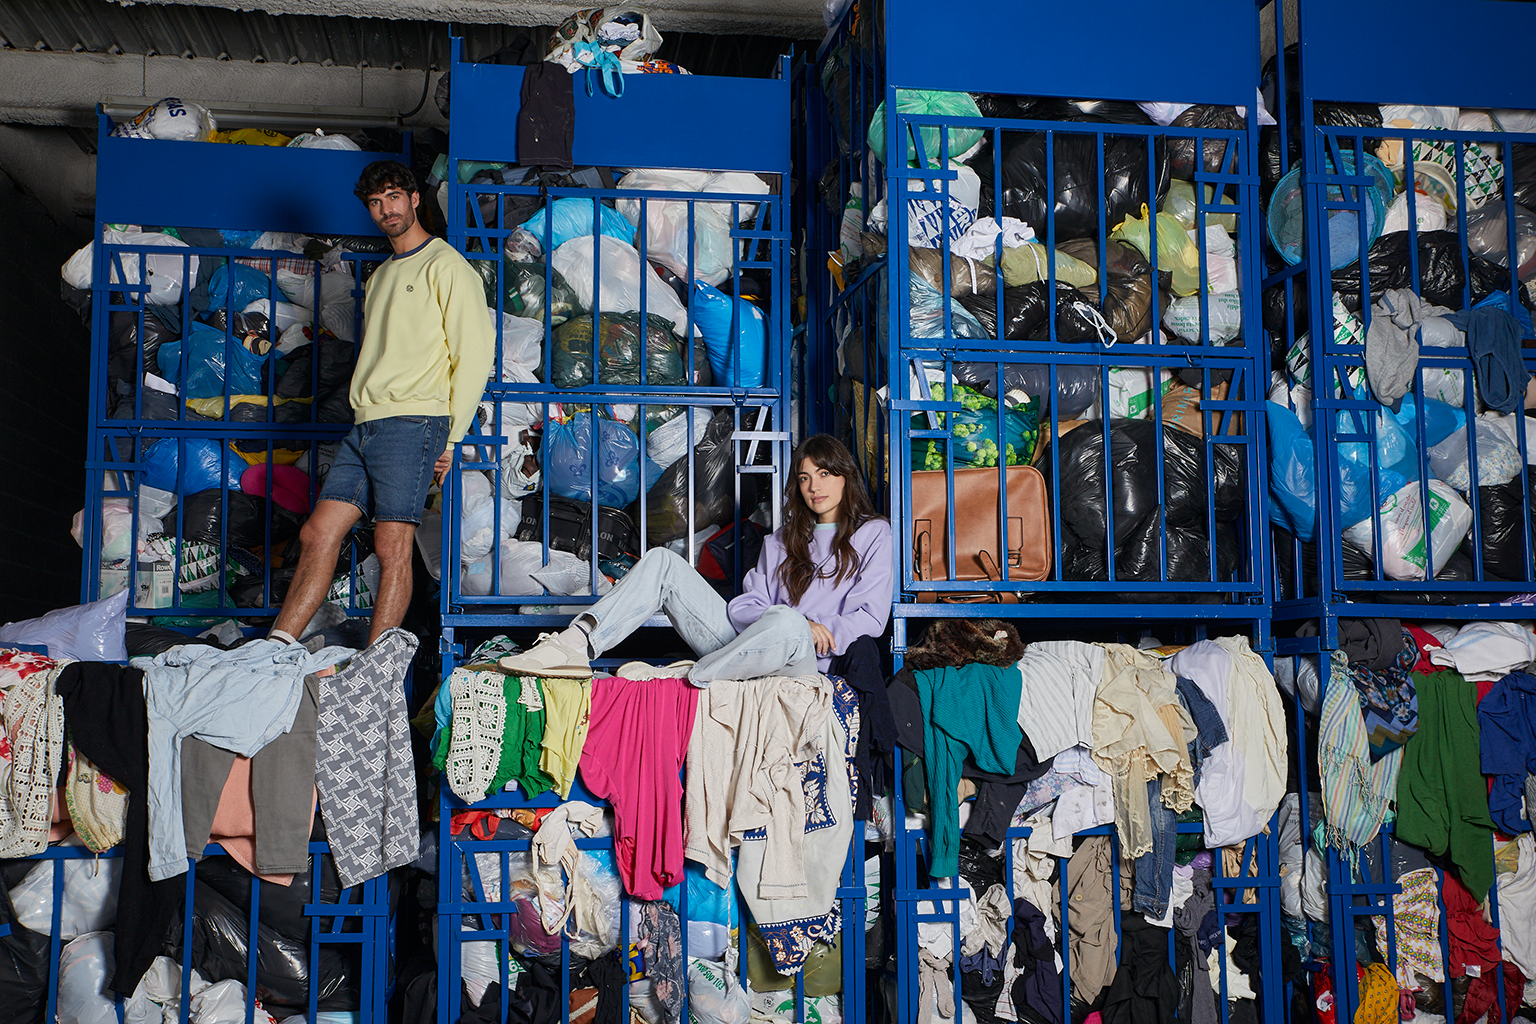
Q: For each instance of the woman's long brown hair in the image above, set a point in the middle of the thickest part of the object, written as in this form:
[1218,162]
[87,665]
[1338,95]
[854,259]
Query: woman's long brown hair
[797,570]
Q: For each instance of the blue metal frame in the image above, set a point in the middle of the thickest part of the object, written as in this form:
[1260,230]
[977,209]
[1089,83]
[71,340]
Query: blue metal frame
[1333,70]
[670,107]
[206,185]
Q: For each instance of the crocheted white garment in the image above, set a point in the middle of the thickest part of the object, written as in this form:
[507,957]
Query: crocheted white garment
[34,724]
[479,718]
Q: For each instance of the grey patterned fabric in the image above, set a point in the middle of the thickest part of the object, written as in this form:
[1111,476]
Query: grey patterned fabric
[364,771]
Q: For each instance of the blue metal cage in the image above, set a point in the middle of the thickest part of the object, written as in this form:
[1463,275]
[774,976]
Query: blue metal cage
[715,216]
[1359,545]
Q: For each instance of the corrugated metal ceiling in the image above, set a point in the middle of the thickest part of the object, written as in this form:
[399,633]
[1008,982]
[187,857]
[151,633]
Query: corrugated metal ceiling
[99,26]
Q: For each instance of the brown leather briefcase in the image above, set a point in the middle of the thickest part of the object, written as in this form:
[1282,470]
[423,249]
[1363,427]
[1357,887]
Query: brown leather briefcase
[978,552]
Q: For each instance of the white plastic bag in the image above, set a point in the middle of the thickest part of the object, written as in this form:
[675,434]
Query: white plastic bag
[340,318]
[1130,392]
[287,314]
[716,995]
[171,119]
[522,342]
[477,517]
[670,441]
[85,632]
[319,140]
[1402,516]
[619,283]
[1430,213]
[666,220]
[90,896]
[925,217]
[163,271]
[224,1003]
[1224,312]
[1498,460]
[429,541]
[85,966]
[116,524]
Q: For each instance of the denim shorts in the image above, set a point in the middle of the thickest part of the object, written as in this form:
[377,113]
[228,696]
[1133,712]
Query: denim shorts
[384,466]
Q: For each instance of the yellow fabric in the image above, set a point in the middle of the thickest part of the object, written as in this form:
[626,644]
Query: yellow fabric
[213,408]
[567,714]
[428,342]
[252,137]
[1378,997]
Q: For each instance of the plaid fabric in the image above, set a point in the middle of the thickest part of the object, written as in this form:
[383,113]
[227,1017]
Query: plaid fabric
[292,266]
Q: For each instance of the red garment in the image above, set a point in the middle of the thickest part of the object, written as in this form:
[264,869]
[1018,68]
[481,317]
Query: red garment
[476,822]
[1425,643]
[1483,996]
[1473,940]
[634,759]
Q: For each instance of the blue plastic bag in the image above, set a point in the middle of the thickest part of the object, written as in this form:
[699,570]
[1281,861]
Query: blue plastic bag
[568,447]
[212,359]
[1440,420]
[208,465]
[1397,464]
[1292,475]
[239,239]
[573,219]
[749,352]
[250,285]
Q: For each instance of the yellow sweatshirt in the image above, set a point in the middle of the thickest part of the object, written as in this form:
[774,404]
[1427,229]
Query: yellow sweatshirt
[428,341]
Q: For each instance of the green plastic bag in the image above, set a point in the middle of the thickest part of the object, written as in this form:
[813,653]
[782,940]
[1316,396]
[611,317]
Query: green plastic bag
[1175,251]
[924,101]
[975,431]
[620,350]
[1180,203]
[523,295]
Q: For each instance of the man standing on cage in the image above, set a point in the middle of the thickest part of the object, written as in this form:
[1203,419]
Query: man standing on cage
[428,347]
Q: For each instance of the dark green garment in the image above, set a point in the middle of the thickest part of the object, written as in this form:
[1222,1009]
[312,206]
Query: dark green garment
[973,710]
[522,743]
[1442,799]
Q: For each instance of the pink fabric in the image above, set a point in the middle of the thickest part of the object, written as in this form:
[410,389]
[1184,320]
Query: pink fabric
[234,823]
[633,759]
[62,827]
[290,486]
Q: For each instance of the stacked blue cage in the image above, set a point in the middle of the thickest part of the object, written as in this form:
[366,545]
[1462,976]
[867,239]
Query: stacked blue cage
[1381,180]
[150,421]
[715,209]
[902,338]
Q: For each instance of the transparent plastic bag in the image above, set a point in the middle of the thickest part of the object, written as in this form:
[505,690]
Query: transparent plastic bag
[163,272]
[618,285]
[1176,252]
[90,896]
[666,220]
[1498,460]
[1403,551]
[86,965]
[522,283]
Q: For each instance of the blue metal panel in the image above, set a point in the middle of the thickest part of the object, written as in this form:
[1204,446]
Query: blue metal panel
[1111,49]
[212,185]
[1382,51]
[693,121]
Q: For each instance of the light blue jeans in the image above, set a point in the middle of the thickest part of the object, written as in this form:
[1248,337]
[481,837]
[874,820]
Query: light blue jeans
[779,643]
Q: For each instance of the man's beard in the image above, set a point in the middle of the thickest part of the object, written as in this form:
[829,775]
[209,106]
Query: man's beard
[400,227]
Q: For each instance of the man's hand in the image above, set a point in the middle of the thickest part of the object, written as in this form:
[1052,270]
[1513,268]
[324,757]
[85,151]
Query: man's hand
[441,467]
[822,636]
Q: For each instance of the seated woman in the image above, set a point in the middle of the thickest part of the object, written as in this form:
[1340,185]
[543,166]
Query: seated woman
[824,579]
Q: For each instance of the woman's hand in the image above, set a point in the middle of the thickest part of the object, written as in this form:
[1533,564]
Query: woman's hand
[822,636]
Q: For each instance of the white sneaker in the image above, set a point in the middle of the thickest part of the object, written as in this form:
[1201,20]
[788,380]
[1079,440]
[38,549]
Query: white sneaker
[550,657]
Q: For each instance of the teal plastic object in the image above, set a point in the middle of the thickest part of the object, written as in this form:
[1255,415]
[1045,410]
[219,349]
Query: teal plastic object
[940,104]
[1286,217]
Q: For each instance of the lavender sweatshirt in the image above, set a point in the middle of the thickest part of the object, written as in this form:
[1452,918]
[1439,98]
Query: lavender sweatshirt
[857,606]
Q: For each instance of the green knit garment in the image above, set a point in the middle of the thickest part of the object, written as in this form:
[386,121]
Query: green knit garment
[522,743]
[1442,799]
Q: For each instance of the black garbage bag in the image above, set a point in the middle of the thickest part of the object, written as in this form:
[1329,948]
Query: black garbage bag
[329,391]
[146,641]
[1218,154]
[1027,309]
[202,516]
[282,906]
[1525,175]
[251,592]
[221,939]
[1073,193]
[24,957]
[620,349]
[1078,457]
[667,514]
[256,412]
[1341,115]
[1504,530]
[1054,108]
[1441,271]
[161,325]
[1127,304]
[1077,386]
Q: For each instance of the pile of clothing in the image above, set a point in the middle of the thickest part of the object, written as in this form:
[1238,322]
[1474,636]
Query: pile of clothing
[1061,737]
[202,744]
[751,784]
[1436,723]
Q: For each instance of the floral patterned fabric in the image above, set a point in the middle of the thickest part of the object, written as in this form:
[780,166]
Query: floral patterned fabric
[1388,700]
